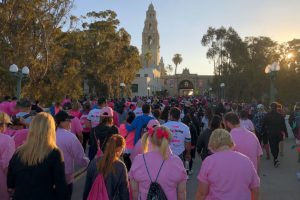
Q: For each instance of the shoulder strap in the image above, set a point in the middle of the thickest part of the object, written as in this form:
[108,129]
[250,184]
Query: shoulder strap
[148,170]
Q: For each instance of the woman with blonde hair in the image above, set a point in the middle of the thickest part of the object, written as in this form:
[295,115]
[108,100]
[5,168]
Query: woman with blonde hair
[7,149]
[111,168]
[36,170]
[227,174]
[159,166]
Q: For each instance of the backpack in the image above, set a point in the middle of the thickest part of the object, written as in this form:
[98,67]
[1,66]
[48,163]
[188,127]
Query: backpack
[155,191]
[98,190]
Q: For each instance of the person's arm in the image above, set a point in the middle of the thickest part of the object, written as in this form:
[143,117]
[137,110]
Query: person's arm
[258,166]
[124,185]
[181,190]
[59,179]
[200,144]
[188,148]
[202,192]
[90,178]
[255,193]
[132,126]
[284,129]
[78,153]
[134,189]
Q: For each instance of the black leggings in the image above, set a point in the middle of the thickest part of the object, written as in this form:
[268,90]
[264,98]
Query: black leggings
[86,139]
[274,141]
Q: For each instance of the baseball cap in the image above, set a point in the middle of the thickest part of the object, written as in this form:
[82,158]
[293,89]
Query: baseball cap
[67,106]
[62,116]
[153,123]
[106,112]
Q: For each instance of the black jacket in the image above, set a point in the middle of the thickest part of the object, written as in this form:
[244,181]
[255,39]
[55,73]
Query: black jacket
[274,124]
[102,133]
[37,182]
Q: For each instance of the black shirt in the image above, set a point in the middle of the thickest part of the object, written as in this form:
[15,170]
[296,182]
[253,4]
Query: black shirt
[274,124]
[202,143]
[45,180]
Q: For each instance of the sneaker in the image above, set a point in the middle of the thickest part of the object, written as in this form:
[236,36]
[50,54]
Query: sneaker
[268,156]
[298,175]
[281,154]
[276,163]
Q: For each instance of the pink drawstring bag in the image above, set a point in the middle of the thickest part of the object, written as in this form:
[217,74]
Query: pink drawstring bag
[98,190]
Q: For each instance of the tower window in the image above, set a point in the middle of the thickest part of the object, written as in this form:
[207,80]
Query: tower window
[150,26]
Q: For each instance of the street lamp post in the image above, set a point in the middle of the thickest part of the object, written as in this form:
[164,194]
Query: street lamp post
[222,85]
[19,73]
[272,71]
[122,85]
[148,88]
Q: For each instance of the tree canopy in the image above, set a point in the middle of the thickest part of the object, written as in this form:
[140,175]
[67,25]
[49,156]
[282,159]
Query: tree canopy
[93,50]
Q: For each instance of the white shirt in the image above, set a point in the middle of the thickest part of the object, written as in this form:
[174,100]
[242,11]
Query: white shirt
[138,112]
[94,117]
[181,134]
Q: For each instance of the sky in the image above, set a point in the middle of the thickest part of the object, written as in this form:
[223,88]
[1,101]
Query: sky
[182,23]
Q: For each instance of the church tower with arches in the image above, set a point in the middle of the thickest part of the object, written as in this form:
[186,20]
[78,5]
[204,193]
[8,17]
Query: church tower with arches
[151,38]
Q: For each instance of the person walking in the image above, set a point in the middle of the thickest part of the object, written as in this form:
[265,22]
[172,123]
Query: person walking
[36,170]
[203,139]
[274,125]
[102,132]
[181,135]
[260,133]
[140,122]
[245,141]
[94,114]
[227,174]
[245,122]
[158,165]
[111,168]
[70,146]
[7,149]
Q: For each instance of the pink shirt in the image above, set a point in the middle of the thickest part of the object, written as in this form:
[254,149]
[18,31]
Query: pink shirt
[72,151]
[5,106]
[76,126]
[246,143]
[66,101]
[20,137]
[76,113]
[129,139]
[116,119]
[7,149]
[172,173]
[230,175]
[247,124]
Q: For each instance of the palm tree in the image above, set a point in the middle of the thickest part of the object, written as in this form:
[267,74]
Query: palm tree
[177,59]
[148,57]
[169,69]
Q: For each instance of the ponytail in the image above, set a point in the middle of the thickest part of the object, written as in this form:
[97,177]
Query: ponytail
[160,137]
[145,142]
[106,163]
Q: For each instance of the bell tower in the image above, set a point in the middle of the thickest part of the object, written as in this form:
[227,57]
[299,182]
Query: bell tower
[150,38]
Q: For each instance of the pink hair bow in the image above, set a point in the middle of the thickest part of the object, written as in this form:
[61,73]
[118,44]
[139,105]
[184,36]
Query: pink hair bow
[151,131]
[161,134]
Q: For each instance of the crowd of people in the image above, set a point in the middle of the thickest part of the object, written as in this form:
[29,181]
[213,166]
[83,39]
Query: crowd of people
[139,148]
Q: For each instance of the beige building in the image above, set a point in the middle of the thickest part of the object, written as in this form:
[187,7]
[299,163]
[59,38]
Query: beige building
[186,83]
[148,78]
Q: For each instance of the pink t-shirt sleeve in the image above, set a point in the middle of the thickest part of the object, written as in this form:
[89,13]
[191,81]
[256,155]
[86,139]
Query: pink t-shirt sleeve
[8,150]
[203,175]
[136,164]
[255,181]
[76,126]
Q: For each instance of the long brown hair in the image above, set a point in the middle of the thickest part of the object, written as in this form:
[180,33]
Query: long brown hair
[41,140]
[110,156]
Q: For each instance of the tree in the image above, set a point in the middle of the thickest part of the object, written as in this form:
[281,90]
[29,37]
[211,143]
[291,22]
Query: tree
[148,57]
[177,59]
[169,69]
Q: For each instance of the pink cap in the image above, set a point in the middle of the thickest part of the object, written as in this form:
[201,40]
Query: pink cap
[106,112]
[152,123]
